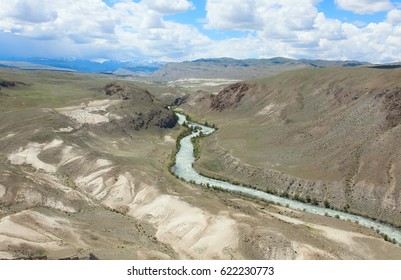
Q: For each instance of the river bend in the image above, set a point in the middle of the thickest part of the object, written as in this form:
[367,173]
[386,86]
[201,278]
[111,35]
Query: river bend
[184,170]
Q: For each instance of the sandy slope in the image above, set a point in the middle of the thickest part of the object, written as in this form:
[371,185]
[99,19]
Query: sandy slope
[93,112]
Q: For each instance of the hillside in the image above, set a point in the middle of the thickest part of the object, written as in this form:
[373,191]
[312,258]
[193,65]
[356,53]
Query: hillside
[323,135]
[229,68]
[71,148]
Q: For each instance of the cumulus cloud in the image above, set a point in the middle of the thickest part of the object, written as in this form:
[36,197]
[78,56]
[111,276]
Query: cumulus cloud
[295,28]
[126,29]
[51,19]
[289,24]
[394,17]
[260,14]
[168,6]
[364,6]
[146,31]
[26,11]
[233,14]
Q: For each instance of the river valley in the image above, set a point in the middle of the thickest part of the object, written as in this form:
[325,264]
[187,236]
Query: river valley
[184,170]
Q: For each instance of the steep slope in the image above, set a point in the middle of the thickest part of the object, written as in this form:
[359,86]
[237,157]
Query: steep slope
[149,111]
[323,135]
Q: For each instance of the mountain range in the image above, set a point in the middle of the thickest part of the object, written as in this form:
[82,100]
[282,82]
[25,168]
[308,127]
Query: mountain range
[228,68]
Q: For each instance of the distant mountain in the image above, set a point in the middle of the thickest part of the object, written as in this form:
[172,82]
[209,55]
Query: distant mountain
[81,65]
[230,68]
[31,66]
[206,68]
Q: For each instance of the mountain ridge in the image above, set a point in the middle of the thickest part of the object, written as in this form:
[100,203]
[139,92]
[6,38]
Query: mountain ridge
[230,68]
[224,67]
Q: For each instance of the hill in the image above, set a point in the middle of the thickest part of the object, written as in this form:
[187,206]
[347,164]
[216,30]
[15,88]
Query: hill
[73,149]
[324,135]
[229,68]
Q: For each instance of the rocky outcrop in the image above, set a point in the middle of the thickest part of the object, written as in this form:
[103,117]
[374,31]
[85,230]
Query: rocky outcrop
[229,97]
[127,91]
[138,109]
[148,119]
[9,84]
[391,100]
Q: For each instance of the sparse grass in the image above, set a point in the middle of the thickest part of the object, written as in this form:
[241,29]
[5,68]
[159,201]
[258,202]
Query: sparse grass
[50,89]
[39,252]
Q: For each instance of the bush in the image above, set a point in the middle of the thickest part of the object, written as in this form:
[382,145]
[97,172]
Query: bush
[314,201]
[285,194]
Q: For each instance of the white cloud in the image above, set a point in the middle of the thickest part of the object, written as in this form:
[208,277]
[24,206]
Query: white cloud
[128,29]
[232,15]
[295,28]
[394,16]
[78,20]
[364,6]
[278,16]
[145,32]
[168,6]
[283,27]
[125,29]
[27,11]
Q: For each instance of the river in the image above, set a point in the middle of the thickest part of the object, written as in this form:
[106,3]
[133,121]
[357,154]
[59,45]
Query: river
[184,170]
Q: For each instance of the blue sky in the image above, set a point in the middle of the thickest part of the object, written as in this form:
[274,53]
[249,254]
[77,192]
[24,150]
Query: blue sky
[176,30]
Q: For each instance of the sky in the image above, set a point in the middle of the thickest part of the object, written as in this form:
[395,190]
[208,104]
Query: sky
[178,30]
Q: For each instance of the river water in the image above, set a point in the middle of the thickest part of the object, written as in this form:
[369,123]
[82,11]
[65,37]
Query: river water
[184,170]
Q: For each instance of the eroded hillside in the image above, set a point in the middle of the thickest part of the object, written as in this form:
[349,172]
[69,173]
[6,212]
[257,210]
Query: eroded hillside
[327,136]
